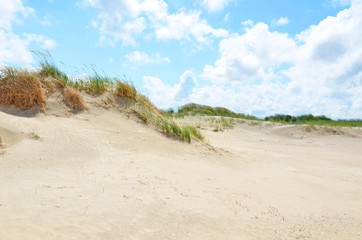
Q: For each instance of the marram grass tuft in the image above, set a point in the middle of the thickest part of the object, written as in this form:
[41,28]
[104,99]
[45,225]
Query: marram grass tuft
[21,89]
[73,99]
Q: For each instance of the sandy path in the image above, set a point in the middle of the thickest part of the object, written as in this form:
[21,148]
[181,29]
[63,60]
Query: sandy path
[103,176]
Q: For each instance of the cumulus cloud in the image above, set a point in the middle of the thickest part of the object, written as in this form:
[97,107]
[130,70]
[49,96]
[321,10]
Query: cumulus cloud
[46,42]
[125,20]
[319,71]
[251,56]
[12,11]
[14,48]
[261,72]
[215,5]
[187,26]
[138,57]
[118,21]
[166,96]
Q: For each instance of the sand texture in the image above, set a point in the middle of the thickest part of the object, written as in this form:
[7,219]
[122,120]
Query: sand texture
[101,175]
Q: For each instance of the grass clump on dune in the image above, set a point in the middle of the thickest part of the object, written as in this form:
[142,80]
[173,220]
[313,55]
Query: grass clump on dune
[50,70]
[21,89]
[145,101]
[149,114]
[185,133]
[125,90]
[73,99]
[94,85]
[194,132]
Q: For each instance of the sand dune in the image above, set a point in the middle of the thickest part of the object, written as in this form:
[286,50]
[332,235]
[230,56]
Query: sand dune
[102,175]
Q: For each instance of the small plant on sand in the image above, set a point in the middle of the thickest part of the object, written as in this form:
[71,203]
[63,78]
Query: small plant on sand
[194,132]
[184,133]
[73,99]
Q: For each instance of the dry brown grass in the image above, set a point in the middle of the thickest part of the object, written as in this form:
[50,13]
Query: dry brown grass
[126,90]
[142,99]
[73,99]
[22,90]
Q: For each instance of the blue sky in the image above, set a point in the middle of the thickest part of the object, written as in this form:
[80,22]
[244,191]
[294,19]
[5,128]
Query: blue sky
[252,56]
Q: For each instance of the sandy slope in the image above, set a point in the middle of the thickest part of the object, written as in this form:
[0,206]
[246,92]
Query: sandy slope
[99,175]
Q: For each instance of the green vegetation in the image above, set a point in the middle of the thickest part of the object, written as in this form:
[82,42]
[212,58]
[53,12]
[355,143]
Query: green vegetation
[94,85]
[313,120]
[222,118]
[193,109]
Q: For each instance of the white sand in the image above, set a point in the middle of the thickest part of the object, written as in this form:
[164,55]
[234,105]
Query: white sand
[99,175]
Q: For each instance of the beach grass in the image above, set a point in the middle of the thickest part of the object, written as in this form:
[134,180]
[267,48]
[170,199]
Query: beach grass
[74,99]
[125,90]
[93,85]
[22,89]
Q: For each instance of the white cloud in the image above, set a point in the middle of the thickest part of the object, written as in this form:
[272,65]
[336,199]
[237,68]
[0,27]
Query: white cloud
[262,72]
[12,11]
[166,96]
[187,26]
[282,21]
[46,43]
[14,48]
[215,5]
[160,93]
[125,20]
[138,57]
[319,72]
[251,56]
